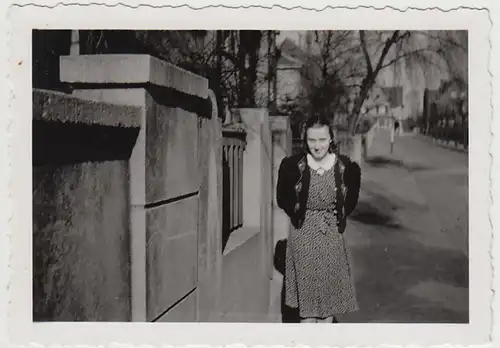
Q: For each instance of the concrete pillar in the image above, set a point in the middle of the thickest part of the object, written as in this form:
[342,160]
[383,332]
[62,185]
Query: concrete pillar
[282,147]
[354,148]
[80,180]
[257,179]
[75,43]
[164,198]
[210,222]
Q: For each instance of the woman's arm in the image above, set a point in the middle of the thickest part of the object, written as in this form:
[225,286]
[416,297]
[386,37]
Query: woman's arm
[352,180]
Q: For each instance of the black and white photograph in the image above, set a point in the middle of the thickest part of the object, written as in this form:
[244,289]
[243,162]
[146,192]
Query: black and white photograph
[250,176]
[178,180]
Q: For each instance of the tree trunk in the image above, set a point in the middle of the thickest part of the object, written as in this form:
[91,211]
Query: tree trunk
[356,111]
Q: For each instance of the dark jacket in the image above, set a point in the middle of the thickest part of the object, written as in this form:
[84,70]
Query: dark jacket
[293,188]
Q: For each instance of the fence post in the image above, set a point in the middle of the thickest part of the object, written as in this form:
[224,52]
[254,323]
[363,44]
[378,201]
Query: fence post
[257,178]
[210,213]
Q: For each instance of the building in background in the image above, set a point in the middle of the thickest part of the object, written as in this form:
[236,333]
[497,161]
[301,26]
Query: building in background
[429,109]
[395,107]
[446,106]
[290,82]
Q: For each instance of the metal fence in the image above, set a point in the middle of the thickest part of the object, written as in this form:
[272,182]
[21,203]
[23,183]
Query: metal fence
[450,131]
[233,147]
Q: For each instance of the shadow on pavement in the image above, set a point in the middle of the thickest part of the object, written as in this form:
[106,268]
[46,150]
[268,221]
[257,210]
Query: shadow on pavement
[368,214]
[381,161]
[395,284]
[407,283]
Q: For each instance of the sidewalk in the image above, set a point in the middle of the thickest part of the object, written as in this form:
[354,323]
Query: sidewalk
[407,268]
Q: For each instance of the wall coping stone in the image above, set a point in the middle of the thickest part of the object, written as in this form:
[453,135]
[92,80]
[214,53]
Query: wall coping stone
[53,106]
[131,69]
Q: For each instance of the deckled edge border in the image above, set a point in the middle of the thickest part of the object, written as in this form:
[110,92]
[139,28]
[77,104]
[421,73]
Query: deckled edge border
[9,91]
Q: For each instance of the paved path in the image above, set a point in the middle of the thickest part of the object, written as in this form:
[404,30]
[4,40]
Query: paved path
[408,235]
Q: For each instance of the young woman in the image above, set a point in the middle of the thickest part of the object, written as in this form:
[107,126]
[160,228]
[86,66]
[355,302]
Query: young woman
[318,189]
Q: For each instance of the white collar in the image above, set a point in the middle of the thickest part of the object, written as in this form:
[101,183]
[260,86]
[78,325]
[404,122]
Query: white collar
[323,167]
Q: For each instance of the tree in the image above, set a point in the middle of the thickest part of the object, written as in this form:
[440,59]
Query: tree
[230,59]
[329,93]
[412,51]
[325,87]
[346,65]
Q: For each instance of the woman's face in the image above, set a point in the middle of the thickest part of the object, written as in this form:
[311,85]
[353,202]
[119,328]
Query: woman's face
[318,141]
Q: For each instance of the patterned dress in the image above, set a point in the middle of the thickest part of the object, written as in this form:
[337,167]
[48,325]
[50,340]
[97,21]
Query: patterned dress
[317,273]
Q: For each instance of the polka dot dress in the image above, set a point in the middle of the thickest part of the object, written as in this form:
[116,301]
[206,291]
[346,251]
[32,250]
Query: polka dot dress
[317,275]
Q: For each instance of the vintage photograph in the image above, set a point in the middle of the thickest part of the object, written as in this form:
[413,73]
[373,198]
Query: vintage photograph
[255,176]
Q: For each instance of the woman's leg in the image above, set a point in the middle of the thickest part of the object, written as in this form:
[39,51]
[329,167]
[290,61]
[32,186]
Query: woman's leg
[327,320]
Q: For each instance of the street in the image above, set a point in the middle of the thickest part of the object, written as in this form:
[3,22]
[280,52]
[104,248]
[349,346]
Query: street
[408,234]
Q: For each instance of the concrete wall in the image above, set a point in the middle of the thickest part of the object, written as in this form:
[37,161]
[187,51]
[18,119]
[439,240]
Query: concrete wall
[81,248]
[357,147]
[174,193]
[210,216]
[164,174]
[282,147]
[247,260]
[128,199]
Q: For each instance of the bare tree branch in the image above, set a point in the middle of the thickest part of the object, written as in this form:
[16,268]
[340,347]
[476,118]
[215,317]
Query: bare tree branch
[365,52]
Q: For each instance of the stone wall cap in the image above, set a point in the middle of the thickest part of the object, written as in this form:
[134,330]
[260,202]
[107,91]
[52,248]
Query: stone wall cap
[130,69]
[54,106]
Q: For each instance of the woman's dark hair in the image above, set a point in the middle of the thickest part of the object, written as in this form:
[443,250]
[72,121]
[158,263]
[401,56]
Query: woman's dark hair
[318,121]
